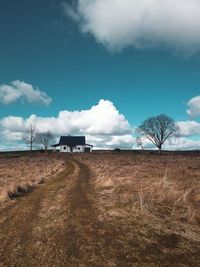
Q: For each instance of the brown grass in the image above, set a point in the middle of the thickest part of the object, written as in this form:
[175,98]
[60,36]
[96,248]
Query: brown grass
[112,209]
[156,196]
[149,183]
[20,175]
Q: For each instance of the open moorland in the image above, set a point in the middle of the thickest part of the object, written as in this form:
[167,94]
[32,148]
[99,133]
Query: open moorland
[100,209]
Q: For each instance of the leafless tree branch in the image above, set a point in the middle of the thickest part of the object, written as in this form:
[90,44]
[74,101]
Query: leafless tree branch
[30,136]
[45,139]
[158,130]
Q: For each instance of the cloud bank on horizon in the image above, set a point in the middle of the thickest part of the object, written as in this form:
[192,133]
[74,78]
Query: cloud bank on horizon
[140,23]
[103,125]
[21,91]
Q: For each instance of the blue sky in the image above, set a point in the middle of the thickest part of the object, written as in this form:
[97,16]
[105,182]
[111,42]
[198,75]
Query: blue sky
[61,49]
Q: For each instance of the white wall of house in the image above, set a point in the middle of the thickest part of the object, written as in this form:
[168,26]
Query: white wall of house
[79,149]
[64,149]
[75,149]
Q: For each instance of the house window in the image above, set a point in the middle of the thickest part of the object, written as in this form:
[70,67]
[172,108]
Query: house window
[64,148]
[79,148]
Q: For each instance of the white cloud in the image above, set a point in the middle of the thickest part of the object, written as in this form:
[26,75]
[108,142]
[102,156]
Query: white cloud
[194,107]
[140,23]
[182,144]
[189,128]
[126,141]
[18,90]
[102,124]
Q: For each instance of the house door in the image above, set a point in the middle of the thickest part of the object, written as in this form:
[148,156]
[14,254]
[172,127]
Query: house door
[87,149]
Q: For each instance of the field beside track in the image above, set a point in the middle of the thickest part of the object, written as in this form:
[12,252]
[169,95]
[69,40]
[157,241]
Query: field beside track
[100,209]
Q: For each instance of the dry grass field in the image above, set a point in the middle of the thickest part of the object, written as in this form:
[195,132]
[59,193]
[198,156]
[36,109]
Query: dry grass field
[166,187]
[19,175]
[152,204]
[104,209]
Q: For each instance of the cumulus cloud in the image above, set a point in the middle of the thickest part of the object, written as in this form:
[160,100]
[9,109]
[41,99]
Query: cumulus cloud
[182,143]
[194,107]
[140,23]
[18,90]
[189,128]
[102,124]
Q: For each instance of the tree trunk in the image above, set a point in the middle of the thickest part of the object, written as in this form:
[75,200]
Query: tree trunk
[160,149]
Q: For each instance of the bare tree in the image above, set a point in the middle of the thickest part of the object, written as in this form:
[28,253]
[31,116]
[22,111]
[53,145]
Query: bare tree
[30,136]
[159,129]
[45,139]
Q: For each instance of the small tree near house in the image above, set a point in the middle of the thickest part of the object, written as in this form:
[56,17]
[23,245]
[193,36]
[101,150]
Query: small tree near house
[45,139]
[158,130]
[30,136]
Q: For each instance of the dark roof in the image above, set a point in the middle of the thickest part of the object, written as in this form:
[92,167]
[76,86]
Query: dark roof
[72,140]
[55,145]
[89,145]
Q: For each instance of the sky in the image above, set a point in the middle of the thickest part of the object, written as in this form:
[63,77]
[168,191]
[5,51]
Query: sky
[99,68]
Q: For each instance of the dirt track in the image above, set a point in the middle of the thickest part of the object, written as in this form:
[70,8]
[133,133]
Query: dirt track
[59,224]
[55,225]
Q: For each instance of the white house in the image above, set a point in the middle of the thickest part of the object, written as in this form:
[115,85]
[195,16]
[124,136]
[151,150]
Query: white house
[73,144]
